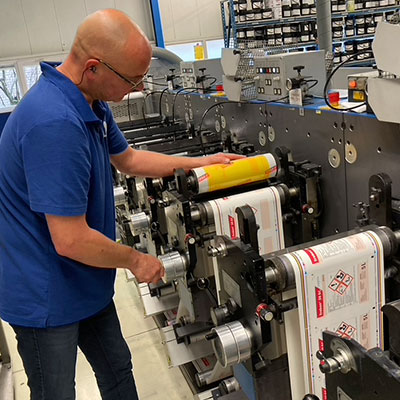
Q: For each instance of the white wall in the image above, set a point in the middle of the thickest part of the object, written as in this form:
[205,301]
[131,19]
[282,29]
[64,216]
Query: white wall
[31,27]
[191,20]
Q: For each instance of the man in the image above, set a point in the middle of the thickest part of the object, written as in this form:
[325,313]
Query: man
[57,230]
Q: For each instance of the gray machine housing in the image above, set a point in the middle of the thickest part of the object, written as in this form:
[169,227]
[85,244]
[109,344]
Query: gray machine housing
[273,71]
[191,71]
[129,108]
[350,147]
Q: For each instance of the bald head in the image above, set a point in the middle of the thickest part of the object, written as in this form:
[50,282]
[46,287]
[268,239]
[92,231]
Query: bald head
[109,57]
[112,36]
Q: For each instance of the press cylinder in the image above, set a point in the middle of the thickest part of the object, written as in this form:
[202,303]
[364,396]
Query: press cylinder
[239,172]
[279,272]
[175,265]
[232,344]
[202,214]
[140,222]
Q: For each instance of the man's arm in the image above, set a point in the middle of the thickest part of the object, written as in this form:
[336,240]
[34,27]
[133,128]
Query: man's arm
[73,238]
[153,165]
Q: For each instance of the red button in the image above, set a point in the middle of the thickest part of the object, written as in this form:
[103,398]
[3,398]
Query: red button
[353,84]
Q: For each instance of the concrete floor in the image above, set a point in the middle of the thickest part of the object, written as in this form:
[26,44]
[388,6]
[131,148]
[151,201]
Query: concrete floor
[154,380]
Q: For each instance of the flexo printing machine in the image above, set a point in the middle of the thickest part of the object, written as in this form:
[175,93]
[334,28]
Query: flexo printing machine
[282,268]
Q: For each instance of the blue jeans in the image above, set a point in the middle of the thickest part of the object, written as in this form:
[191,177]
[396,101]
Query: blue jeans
[49,357]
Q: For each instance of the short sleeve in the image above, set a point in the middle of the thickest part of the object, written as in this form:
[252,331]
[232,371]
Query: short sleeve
[56,159]
[117,143]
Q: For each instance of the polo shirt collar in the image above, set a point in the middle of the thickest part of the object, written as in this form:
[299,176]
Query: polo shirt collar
[71,91]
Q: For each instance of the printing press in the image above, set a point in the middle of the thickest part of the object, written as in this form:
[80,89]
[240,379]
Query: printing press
[309,309]
[191,224]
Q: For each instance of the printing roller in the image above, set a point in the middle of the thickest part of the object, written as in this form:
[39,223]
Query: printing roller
[279,272]
[175,263]
[202,213]
[232,342]
[223,176]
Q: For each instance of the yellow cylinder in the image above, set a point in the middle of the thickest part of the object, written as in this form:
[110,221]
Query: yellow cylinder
[238,172]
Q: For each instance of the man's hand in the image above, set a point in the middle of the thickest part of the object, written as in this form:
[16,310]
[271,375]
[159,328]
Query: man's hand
[146,268]
[220,158]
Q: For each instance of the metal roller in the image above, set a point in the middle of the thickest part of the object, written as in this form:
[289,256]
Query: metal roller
[201,377]
[140,222]
[119,195]
[229,385]
[175,265]
[232,343]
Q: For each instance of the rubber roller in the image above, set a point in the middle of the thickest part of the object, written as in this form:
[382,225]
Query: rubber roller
[239,172]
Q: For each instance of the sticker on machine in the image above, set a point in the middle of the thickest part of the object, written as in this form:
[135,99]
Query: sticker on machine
[346,330]
[320,300]
[232,227]
[313,256]
[341,282]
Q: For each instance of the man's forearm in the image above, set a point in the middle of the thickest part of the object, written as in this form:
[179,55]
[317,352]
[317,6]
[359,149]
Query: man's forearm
[95,249]
[155,165]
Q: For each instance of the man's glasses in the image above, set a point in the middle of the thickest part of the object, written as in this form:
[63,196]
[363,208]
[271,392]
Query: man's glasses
[133,84]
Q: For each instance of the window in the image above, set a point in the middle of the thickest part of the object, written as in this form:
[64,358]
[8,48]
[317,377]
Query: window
[214,48]
[184,51]
[32,73]
[10,92]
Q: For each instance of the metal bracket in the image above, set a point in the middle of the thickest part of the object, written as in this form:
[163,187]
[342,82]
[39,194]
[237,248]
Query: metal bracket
[247,226]
[181,182]
[380,200]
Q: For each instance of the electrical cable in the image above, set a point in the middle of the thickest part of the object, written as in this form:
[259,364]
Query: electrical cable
[314,81]
[160,104]
[129,109]
[174,100]
[227,102]
[204,115]
[212,83]
[144,104]
[330,77]
[216,105]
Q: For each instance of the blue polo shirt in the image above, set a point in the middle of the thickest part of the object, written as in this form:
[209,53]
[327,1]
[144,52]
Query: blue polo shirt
[54,159]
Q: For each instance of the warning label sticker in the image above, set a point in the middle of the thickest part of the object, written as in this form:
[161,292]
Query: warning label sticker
[313,256]
[341,282]
[346,330]
[232,227]
[319,297]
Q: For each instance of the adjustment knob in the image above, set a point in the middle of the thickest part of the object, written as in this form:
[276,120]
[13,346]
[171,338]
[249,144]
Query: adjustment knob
[298,68]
